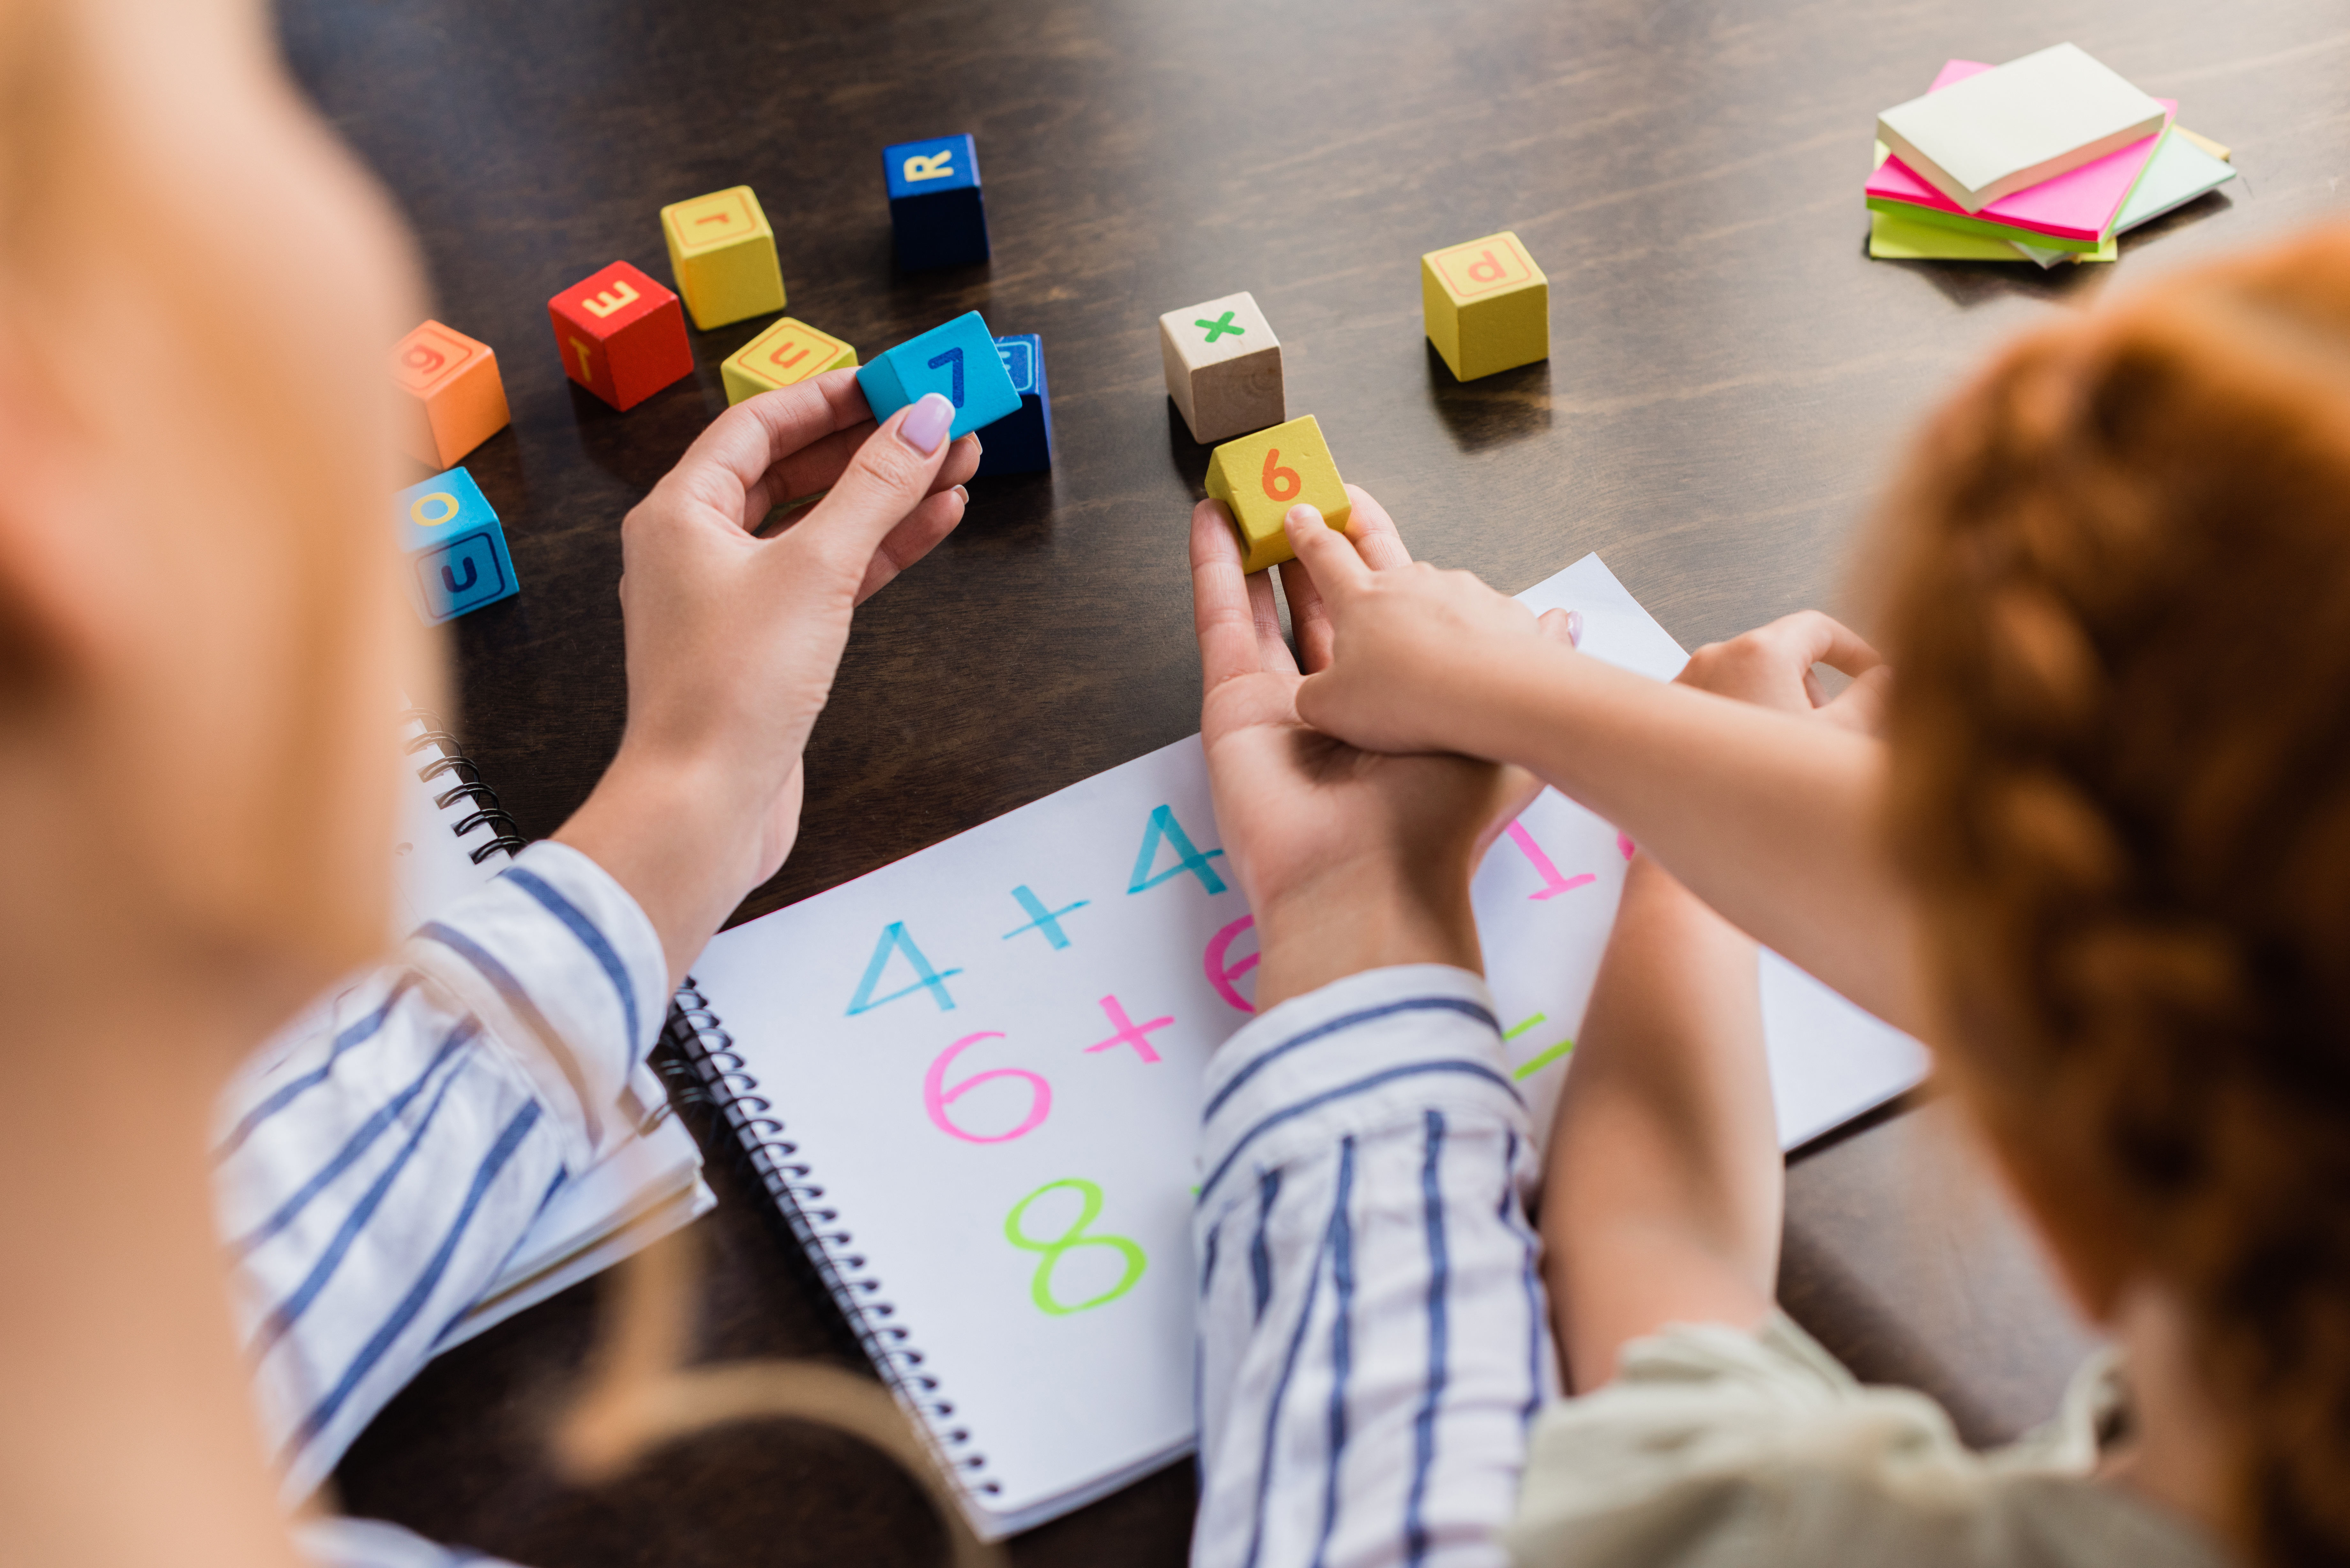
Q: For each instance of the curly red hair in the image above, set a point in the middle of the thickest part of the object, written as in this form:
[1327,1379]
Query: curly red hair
[2120,596]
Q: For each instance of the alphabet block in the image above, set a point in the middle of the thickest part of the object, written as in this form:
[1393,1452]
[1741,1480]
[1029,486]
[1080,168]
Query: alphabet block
[454,399]
[456,551]
[1021,442]
[958,359]
[787,352]
[1224,367]
[622,336]
[1259,478]
[723,254]
[1487,305]
[935,207]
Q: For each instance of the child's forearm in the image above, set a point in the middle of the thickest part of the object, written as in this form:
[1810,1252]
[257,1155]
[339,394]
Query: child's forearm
[1769,818]
[1663,1198]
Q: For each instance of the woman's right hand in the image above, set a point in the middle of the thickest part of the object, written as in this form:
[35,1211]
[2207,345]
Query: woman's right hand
[1411,646]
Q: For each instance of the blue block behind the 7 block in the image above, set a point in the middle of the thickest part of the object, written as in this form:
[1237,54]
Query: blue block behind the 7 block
[1021,442]
[935,206]
[958,359]
[456,551]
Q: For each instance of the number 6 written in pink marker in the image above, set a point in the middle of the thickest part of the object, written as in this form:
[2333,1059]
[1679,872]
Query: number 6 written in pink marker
[937,1096]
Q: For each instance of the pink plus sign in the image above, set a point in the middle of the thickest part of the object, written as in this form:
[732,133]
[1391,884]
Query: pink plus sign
[1129,1032]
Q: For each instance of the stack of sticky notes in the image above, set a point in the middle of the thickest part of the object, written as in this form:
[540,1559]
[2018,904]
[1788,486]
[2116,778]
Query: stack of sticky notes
[2045,159]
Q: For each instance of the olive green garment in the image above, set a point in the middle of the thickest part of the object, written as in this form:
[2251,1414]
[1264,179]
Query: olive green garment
[1716,1447]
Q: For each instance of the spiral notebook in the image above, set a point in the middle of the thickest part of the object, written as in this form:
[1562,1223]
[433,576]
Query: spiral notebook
[452,838]
[971,1082]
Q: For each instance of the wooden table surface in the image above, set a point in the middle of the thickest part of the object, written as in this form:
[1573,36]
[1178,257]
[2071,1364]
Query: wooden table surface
[1730,380]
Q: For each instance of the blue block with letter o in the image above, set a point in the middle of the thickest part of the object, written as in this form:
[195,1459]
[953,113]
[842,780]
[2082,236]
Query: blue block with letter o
[456,552]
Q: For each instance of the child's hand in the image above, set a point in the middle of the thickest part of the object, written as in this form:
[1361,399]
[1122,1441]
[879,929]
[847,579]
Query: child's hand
[1350,860]
[1770,667]
[1407,642]
[733,639]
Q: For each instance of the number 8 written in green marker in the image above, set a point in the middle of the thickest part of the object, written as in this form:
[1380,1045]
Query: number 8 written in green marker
[1040,1289]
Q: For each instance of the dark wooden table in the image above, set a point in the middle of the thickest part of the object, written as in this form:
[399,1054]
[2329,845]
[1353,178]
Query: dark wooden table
[1730,380]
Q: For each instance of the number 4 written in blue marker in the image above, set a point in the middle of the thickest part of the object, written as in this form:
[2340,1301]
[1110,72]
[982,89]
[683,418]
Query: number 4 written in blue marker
[952,356]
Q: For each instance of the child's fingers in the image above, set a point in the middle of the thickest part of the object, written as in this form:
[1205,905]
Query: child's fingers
[1374,533]
[1309,615]
[1822,639]
[1336,565]
[1220,613]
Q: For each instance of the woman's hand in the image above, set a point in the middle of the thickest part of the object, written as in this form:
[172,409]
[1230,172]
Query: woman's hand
[1350,860]
[1411,645]
[733,639]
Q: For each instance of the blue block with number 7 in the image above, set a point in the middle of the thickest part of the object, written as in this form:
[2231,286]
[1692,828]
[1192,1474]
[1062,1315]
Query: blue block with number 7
[1021,443]
[457,559]
[957,360]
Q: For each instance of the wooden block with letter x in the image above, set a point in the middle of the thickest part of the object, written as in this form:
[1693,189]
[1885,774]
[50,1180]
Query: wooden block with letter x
[453,399]
[1487,305]
[1224,367]
[788,351]
[723,254]
[1259,478]
[621,335]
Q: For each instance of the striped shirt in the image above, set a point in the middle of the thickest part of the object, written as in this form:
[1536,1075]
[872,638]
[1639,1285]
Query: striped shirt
[1374,1343]
[377,1162]
[1373,1339]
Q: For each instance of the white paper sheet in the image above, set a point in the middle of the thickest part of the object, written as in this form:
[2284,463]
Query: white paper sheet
[941,1056]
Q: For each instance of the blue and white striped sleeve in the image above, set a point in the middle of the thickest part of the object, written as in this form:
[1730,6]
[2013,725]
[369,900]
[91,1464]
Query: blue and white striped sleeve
[331,1542]
[378,1164]
[1374,1341]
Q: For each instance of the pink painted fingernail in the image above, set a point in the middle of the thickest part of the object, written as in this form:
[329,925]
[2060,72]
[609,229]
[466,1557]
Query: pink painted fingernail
[926,426]
[1574,628]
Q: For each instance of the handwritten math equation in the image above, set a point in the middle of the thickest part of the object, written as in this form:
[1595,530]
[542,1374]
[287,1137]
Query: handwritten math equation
[902,972]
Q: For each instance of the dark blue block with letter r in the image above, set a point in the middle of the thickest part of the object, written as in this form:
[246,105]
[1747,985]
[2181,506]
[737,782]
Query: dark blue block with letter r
[456,551]
[936,210]
[1021,442]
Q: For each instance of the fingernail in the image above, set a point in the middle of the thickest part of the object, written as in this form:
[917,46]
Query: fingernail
[1303,515]
[926,426]
[1574,628]
[964,493]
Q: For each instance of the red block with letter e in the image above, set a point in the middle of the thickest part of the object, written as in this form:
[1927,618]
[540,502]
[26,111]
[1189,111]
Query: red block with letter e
[621,335]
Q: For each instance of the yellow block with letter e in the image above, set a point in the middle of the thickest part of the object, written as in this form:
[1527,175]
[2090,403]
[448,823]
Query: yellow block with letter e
[1487,305]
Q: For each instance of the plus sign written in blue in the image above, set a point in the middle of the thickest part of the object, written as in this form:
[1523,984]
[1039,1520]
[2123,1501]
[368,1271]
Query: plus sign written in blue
[1041,918]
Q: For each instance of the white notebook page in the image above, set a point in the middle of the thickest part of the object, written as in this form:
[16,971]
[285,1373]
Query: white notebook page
[867,1012]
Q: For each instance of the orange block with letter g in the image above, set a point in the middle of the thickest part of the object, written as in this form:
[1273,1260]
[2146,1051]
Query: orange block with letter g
[1487,305]
[451,394]
[621,335]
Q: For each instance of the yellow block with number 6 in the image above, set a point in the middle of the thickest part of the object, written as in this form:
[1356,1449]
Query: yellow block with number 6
[723,254]
[1487,305]
[1260,477]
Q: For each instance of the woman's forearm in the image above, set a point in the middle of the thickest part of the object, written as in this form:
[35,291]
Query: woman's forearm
[1766,816]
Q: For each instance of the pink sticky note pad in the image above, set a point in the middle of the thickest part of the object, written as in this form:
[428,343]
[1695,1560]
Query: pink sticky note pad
[2079,204]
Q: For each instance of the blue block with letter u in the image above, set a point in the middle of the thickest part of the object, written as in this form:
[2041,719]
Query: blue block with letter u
[957,360]
[936,210]
[457,559]
[1021,442]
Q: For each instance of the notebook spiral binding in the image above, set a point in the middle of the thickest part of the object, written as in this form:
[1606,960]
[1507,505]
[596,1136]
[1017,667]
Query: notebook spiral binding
[505,832]
[729,1089]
